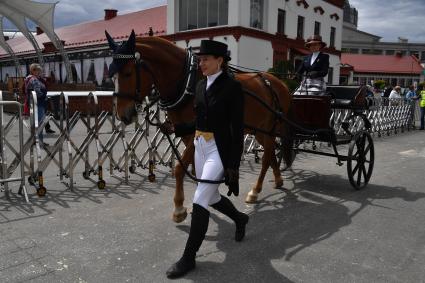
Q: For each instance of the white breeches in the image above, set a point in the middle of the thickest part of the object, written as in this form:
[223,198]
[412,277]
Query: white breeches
[208,166]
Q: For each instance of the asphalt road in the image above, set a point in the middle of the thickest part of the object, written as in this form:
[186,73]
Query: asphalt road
[315,229]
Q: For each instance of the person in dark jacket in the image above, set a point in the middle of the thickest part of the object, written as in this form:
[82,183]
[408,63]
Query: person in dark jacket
[35,82]
[314,67]
[218,128]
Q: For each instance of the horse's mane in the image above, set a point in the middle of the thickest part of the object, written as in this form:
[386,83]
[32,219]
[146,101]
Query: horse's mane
[159,44]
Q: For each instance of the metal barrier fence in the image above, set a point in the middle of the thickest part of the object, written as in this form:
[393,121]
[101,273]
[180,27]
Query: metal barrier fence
[6,169]
[97,140]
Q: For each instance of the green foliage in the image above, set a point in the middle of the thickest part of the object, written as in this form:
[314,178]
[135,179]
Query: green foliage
[291,84]
[422,84]
[283,70]
[379,84]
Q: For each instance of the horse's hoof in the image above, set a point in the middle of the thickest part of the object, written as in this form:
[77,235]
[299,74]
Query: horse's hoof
[279,184]
[251,198]
[180,216]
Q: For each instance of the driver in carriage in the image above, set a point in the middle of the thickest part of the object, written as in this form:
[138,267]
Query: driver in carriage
[314,68]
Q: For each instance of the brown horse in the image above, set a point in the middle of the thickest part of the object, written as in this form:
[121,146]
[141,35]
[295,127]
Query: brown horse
[140,63]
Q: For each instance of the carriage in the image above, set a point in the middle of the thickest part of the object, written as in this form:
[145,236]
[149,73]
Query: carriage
[317,118]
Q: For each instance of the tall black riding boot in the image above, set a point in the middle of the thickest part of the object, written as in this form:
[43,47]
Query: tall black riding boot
[226,207]
[198,229]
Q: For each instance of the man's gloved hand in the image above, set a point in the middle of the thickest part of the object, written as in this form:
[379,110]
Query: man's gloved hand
[231,179]
[166,127]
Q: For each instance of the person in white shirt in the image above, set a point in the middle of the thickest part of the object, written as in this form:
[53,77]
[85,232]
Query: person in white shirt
[395,93]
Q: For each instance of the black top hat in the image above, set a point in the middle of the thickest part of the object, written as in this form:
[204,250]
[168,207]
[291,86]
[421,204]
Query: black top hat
[212,47]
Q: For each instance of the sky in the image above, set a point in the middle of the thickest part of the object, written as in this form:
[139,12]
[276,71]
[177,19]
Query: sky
[386,18]
[392,18]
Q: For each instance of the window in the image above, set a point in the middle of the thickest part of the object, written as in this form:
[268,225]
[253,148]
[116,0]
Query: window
[423,55]
[365,51]
[257,11]
[281,18]
[195,14]
[300,27]
[316,28]
[332,39]
[389,52]
[354,50]
[330,75]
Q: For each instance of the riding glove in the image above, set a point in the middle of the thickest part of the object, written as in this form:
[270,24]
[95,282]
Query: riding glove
[231,179]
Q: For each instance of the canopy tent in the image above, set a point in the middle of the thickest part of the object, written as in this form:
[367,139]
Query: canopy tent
[8,49]
[41,14]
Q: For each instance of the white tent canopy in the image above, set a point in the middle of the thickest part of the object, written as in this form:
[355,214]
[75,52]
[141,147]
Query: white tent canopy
[7,48]
[39,13]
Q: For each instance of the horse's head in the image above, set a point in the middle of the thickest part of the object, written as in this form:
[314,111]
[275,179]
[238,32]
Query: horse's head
[139,65]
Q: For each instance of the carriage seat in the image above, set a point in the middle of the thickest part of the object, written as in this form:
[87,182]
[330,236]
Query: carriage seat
[347,97]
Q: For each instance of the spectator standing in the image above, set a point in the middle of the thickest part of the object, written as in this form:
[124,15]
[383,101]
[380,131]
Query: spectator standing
[410,100]
[387,91]
[411,94]
[34,82]
[395,93]
[422,105]
[395,96]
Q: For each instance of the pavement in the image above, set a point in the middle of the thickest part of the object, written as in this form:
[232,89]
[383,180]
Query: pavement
[316,228]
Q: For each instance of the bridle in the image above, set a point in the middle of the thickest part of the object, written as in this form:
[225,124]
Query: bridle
[139,64]
[186,89]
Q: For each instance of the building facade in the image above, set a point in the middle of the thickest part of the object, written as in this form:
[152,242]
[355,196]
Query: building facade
[259,33]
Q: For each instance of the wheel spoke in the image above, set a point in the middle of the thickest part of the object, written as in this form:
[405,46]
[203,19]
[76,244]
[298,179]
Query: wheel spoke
[359,177]
[366,150]
[356,154]
[355,169]
[364,172]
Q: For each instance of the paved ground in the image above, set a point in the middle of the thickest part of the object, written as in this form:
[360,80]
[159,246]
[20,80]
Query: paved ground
[316,229]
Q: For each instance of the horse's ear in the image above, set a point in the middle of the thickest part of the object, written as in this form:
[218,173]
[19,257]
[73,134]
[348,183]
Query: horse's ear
[111,42]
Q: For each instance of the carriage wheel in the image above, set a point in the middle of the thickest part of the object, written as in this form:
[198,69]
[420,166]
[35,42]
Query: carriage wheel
[361,156]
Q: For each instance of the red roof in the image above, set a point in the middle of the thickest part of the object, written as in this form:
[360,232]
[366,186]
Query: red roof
[93,33]
[363,63]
